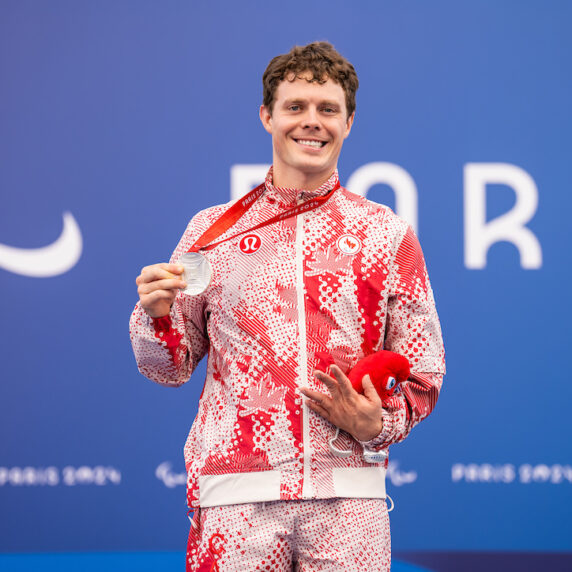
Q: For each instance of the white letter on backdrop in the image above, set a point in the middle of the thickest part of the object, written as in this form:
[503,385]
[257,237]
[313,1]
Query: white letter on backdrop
[397,178]
[480,234]
[243,178]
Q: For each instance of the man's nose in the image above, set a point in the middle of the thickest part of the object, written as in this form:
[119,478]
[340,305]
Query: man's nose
[311,119]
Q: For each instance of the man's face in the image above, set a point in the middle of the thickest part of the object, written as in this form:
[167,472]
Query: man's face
[308,125]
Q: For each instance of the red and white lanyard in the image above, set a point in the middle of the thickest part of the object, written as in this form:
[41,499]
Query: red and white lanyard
[241,207]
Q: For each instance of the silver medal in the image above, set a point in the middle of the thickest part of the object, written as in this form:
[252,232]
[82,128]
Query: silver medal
[197,272]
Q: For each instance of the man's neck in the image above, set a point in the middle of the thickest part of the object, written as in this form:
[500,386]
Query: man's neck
[297,180]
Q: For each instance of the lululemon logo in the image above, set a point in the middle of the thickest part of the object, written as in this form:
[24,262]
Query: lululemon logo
[348,244]
[250,243]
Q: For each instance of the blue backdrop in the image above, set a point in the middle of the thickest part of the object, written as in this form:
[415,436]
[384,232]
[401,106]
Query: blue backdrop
[120,119]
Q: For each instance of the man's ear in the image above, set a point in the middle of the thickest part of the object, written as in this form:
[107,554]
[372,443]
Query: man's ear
[266,118]
[349,124]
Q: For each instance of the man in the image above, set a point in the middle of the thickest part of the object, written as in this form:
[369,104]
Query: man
[307,278]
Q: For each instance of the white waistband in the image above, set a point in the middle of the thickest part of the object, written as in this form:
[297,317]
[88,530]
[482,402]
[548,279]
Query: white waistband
[264,486]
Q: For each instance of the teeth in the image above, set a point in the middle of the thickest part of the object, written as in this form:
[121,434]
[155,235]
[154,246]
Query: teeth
[316,144]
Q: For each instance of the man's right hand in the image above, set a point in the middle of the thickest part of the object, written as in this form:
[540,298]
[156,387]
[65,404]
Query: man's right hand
[157,286]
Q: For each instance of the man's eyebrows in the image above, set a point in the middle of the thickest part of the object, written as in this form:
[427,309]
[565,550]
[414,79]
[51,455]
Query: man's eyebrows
[330,103]
[301,101]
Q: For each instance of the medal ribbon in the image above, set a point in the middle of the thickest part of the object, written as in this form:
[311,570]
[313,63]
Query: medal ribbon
[241,207]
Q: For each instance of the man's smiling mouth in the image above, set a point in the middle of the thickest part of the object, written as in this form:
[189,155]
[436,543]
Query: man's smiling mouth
[311,143]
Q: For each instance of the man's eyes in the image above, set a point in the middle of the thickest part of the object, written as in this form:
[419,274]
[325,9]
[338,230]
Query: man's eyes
[327,109]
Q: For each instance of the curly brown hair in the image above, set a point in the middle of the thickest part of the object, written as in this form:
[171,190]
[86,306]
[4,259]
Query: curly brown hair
[319,59]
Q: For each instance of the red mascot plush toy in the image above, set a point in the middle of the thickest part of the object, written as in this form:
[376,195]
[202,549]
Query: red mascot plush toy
[386,370]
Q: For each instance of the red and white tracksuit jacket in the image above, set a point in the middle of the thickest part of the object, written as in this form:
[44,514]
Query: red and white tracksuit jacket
[330,285]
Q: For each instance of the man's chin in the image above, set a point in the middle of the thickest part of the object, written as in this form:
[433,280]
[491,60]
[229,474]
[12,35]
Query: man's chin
[313,166]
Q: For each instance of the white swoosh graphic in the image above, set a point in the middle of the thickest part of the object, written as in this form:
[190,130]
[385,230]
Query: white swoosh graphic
[51,260]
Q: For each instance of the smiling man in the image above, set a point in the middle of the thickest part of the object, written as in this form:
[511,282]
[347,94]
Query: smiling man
[308,120]
[286,290]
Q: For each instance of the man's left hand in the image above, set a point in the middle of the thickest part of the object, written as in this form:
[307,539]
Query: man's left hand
[359,415]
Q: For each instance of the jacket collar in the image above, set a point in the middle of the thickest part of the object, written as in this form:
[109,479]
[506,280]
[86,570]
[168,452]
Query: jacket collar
[288,195]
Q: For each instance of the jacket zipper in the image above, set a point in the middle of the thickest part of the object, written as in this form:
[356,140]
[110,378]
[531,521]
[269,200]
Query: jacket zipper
[307,488]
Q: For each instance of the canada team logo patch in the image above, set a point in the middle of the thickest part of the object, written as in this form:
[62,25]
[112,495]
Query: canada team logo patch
[250,243]
[348,244]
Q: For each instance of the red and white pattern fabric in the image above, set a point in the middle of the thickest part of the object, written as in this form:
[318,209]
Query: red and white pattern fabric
[333,535]
[330,285]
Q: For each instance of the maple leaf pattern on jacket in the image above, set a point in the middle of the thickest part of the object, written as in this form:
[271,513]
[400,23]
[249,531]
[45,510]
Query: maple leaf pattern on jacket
[262,398]
[288,306]
[328,262]
[330,287]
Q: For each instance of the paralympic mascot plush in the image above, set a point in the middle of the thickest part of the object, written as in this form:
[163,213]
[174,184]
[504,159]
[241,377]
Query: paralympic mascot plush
[386,370]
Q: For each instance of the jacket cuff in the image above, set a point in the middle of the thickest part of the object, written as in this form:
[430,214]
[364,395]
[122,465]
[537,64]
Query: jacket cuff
[382,440]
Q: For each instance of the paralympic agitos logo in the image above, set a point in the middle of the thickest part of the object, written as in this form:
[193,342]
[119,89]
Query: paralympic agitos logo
[51,260]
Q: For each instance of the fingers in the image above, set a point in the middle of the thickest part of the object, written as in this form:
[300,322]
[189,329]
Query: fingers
[318,402]
[369,390]
[157,286]
[315,395]
[319,409]
[159,271]
[328,381]
[167,284]
[154,303]
[339,385]
[344,384]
